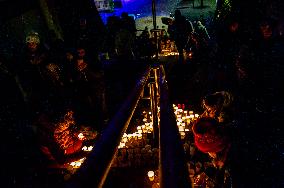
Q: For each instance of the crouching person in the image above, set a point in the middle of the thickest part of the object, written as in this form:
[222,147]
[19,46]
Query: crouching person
[211,138]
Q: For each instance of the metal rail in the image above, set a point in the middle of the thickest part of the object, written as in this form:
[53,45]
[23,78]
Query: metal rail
[98,163]
[172,164]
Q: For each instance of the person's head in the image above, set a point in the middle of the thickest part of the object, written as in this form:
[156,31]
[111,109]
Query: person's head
[208,136]
[80,53]
[266,29]
[32,41]
[233,27]
[214,100]
[69,56]
[177,13]
[83,22]
[124,15]
[205,125]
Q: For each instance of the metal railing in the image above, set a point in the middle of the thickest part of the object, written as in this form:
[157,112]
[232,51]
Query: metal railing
[172,165]
[98,163]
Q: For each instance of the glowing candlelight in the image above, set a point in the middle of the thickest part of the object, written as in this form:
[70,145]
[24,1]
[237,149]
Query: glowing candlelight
[81,136]
[182,134]
[84,148]
[181,128]
[90,148]
[151,175]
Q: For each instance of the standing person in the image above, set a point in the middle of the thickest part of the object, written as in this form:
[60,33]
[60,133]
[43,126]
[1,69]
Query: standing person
[179,31]
[30,70]
[125,38]
[90,89]
[128,22]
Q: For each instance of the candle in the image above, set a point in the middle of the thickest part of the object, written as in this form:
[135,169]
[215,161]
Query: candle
[181,128]
[151,175]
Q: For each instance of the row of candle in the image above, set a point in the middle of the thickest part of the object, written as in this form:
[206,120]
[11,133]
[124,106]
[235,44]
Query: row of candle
[184,119]
[132,140]
[136,138]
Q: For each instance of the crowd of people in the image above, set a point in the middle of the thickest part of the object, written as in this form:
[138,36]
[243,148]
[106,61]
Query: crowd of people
[56,82]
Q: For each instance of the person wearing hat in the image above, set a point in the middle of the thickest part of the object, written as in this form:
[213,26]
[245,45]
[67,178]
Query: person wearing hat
[211,138]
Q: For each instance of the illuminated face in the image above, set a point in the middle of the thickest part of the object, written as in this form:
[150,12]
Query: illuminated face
[32,42]
[266,31]
[69,56]
[32,46]
[234,26]
[81,53]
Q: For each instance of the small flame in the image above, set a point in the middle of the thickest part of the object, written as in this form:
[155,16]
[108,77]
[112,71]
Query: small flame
[81,136]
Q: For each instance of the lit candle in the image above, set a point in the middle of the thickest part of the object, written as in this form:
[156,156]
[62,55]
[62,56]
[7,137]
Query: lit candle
[90,148]
[181,128]
[182,134]
[151,175]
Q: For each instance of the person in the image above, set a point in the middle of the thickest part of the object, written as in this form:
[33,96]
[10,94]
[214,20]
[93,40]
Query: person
[218,105]
[144,45]
[211,138]
[128,22]
[201,31]
[112,26]
[124,44]
[179,31]
[30,69]
[89,87]
[45,99]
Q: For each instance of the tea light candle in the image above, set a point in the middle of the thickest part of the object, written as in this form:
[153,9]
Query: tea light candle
[151,175]
[181,128]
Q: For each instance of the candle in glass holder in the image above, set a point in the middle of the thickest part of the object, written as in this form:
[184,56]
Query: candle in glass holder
[181,128]
[151,175]
[182,134]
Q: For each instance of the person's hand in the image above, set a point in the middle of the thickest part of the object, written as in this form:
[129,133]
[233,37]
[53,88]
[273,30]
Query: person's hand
[218,164]
[81,65]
